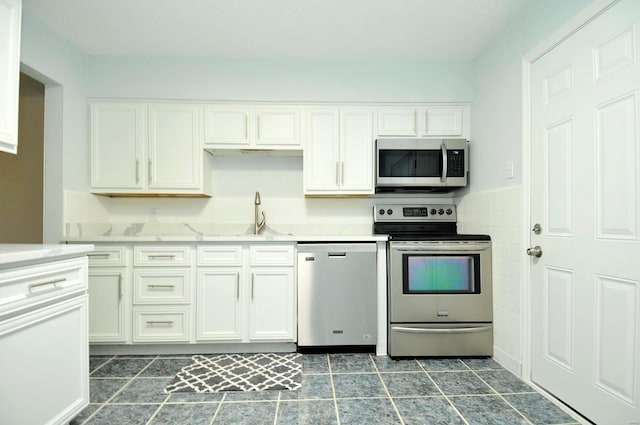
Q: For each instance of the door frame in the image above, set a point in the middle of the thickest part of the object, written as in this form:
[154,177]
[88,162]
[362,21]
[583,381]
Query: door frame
[585,16]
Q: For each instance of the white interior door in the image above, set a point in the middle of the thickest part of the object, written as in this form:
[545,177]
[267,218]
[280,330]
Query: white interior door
[585,195]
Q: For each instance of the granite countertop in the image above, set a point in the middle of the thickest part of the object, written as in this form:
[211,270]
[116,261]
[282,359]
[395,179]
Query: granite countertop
[228,232]
[13,254]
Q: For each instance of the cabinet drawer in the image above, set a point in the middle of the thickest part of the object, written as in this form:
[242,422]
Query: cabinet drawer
[106,256]
[30,286]
[161,255]
[160,324]
[271,255]
[161,286]
[220,255]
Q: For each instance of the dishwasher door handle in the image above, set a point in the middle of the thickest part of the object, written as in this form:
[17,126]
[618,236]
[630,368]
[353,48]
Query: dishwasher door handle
[441,330]
[337,255]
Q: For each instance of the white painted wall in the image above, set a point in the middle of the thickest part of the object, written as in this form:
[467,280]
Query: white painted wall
[496,121]
[58,65]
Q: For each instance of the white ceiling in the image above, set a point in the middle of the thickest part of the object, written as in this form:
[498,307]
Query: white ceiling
[455,30]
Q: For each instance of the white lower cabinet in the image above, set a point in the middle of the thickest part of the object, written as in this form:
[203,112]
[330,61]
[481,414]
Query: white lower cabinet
[272,306]
[249,302]
[108,304]
[162,275]
[109,295]
[219,309]
[44,349]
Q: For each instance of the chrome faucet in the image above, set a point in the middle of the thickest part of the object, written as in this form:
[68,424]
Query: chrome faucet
[257,226]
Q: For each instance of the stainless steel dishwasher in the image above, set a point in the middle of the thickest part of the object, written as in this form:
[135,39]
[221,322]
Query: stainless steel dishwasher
[337,292]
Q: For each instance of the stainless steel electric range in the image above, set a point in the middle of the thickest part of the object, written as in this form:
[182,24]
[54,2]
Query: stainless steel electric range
[439,283]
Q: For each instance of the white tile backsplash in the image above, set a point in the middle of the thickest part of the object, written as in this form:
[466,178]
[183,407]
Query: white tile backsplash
[499,213]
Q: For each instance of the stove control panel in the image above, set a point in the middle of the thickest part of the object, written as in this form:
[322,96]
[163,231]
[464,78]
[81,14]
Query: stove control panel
[414,212]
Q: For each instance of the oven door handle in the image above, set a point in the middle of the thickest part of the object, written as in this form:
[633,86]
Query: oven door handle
[441,330]
[425,248]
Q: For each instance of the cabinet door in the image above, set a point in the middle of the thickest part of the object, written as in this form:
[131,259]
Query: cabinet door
[321,152]
[44,364]
[175,146]
[443,121]
[107,305]
[118,135]
[356,152]
[227,126]
[219,311]
[10,18]
[272,307]
[278,127]
[397,122]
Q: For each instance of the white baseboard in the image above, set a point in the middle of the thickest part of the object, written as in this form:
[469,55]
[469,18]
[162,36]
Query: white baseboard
[507,361]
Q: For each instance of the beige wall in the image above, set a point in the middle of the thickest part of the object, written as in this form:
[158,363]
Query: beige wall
[21,175]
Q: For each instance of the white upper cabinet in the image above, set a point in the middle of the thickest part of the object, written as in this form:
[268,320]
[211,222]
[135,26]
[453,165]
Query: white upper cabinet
[338,158]
[175,147]
[118,136]
[397,122]
[147,149]
[10,17]
[252,127]
[437,121]
[443,121]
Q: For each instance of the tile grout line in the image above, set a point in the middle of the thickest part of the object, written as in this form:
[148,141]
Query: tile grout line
[119,391]
[393,403]
[333,389]
[275,418]
[215,415]
[503,399]
[455,409]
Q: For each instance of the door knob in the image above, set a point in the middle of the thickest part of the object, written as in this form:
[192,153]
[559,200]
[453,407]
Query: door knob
[536,251]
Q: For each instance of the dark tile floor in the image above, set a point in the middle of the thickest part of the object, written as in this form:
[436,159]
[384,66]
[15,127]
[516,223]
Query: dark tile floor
[337,389]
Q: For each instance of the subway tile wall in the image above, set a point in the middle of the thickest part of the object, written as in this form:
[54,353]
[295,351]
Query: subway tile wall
[499,213]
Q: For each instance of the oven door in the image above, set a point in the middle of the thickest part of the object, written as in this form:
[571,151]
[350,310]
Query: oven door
[440,282]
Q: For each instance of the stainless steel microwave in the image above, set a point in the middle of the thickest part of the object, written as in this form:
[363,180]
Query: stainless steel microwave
[421,165]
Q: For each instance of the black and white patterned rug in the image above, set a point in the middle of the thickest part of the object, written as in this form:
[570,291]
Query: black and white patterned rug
[239,372]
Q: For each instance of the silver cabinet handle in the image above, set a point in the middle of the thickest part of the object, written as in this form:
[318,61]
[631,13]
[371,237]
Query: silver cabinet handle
[168,323]
[99,255]
[161,256]
[441,330]
[342,171]
[237,286]
[337,173]
[45,283]
[150,179]
[137,171]
[120,287]
[252,279]
[158,286]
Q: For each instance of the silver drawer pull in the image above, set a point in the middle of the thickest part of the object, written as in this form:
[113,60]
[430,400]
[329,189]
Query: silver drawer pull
[167,323]
[441,330]
[161,256]
[99,255]
[170,287]
[48,282]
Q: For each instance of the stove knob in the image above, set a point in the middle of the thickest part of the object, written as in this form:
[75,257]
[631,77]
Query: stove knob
[433,211]
[389,211]
[440,211]
[449,211]
[381,212]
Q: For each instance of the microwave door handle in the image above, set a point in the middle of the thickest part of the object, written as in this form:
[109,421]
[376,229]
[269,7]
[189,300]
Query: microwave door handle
[443,178]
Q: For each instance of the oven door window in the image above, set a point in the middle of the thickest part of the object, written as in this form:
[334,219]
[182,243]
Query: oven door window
[409,163]
[440,274]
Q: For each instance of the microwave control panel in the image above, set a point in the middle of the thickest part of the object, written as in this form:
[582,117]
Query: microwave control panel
[455,163]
